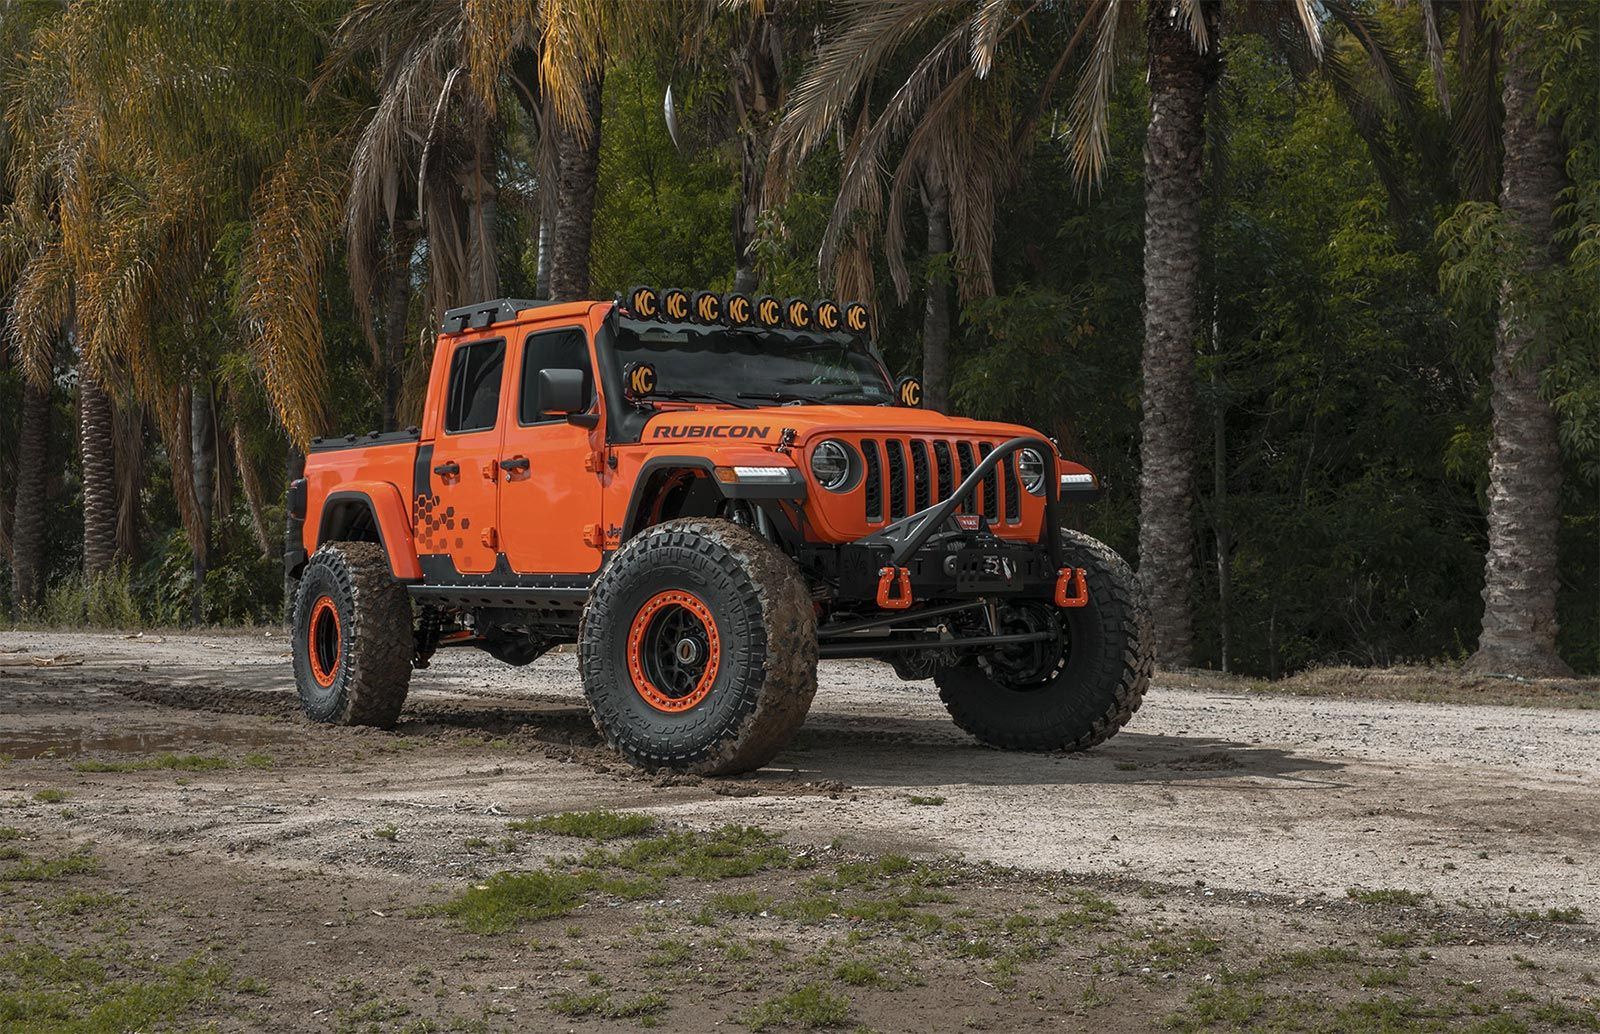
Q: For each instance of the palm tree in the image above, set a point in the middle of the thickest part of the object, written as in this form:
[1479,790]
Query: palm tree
[1520,579]
[973,70]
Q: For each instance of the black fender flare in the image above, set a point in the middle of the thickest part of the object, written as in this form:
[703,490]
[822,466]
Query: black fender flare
[794,491]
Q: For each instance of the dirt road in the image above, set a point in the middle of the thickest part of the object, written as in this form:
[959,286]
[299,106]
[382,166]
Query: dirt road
[1243,797]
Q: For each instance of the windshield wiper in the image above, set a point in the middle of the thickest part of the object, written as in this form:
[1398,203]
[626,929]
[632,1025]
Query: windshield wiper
[696,396]
[849,397]
[780,396]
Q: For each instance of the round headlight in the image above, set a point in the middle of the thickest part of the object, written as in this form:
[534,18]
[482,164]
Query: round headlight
[830,464]
[1030,467]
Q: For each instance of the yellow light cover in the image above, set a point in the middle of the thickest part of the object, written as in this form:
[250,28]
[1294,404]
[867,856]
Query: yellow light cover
[797,313]
[706,307]
[827,314]
[644,303]
[738,309]
[675,304]
[856,318]
[769,311]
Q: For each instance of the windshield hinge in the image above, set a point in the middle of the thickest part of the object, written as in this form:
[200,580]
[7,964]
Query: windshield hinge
[785,440]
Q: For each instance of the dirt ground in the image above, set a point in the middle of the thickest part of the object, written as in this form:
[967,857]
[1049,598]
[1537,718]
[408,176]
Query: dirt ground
[178,847]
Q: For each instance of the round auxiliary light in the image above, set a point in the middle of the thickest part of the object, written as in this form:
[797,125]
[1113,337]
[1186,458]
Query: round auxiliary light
[739,310]
[797,313]
[706,307]
[831,464]
[769,311]
[1030,468]
[856,319]
[827,315]
[675,304]
[644,303]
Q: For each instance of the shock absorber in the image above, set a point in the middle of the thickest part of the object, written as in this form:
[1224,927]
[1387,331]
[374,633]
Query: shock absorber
[427,636]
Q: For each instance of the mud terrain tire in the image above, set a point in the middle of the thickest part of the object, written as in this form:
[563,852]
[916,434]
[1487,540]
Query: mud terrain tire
[353,641]
[1095,691]
[698,649]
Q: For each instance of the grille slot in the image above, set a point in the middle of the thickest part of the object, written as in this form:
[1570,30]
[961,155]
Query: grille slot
[897,478]
[919,474]
[964,454]
[941,460]
[991,490]
[1013,491]
[874,481]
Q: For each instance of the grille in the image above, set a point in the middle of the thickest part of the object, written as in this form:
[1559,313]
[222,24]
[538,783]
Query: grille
[902,475]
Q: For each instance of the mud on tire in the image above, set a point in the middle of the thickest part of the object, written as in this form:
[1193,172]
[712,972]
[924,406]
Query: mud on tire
[353,641]
[1094,690]
[742,682]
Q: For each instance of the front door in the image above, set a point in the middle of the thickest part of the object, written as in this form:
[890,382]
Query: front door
[460,519]
[549,489]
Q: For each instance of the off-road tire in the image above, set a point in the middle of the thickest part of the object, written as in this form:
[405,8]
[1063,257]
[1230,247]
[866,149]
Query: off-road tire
[765,626]
[1104,679]
[366,681]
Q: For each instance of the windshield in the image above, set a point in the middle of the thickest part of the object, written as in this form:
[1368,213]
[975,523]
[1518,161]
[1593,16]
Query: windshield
[753,365]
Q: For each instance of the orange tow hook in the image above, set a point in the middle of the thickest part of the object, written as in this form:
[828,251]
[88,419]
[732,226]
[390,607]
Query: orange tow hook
[899,579]
[1065,597]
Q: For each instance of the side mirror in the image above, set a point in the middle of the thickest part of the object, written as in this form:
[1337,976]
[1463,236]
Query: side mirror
[561,391]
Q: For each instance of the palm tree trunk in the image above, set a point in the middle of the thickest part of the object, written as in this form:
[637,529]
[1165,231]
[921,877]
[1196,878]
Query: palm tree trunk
[203,462]
[577,171]
[1519,590]
[294,468]
[936,313]
[27,515]
[97,458]
[396,305]
[127,432]
[1180,76]
[252,491]
[483,273]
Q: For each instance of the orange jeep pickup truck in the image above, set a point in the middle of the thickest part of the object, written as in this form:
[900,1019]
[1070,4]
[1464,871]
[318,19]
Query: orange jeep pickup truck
[707,493]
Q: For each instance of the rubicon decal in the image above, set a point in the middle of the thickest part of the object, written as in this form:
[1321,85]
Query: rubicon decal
[711,431]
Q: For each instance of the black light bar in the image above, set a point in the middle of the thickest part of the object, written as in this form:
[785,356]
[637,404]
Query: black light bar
[675,305]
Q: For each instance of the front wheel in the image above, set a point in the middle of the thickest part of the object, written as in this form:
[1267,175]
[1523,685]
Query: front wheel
[1074,691]
[698,649]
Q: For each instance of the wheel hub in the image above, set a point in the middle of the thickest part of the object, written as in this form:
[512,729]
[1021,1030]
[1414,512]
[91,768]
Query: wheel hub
[674,651]
[1029,665]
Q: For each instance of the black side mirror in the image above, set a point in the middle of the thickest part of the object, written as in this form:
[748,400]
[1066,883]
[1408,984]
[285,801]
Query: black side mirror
[561,391]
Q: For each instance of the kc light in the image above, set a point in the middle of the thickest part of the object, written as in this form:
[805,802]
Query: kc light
[831,464]
[1030,467]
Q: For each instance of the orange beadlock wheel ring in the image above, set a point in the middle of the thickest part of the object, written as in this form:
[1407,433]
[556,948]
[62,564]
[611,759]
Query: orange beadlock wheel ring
[674,651]
[323,641]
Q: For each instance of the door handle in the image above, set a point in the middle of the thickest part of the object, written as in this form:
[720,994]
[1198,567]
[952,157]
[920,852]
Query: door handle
[514,465]
[448,469]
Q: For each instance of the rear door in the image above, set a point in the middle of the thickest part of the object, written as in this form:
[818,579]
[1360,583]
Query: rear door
[549,488]
[460,518]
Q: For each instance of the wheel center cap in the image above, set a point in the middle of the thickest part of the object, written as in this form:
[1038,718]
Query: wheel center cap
[688,651]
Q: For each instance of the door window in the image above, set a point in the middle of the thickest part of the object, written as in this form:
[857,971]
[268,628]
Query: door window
[566,349]
[473,398]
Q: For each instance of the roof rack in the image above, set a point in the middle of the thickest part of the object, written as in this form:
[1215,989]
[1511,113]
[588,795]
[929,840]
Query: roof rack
[482,314]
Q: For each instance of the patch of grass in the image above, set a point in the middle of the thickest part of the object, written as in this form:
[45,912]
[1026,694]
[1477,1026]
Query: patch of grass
[388,831]
[589,825]
[747,904]
[858,973]
[725,853]
[78,902]
[51,796]
[645,1007]
[509,899]
[925,802]
[1554,1014]
[1551,915]
[810,1006]
[1396,939]
[79,863]
[41,991]
[1387,896]
[10,833]
[668,953]
[259,760]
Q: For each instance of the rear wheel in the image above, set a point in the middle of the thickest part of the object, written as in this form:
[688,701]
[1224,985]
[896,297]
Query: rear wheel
[698,649]
[353,640]
[1070,692]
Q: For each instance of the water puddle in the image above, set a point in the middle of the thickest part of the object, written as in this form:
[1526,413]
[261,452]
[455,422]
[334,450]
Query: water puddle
[62,742]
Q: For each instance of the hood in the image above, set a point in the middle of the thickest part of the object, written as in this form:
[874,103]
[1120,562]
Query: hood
[765,426]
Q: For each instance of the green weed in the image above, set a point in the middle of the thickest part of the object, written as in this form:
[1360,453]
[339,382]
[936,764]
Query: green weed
[589,825]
